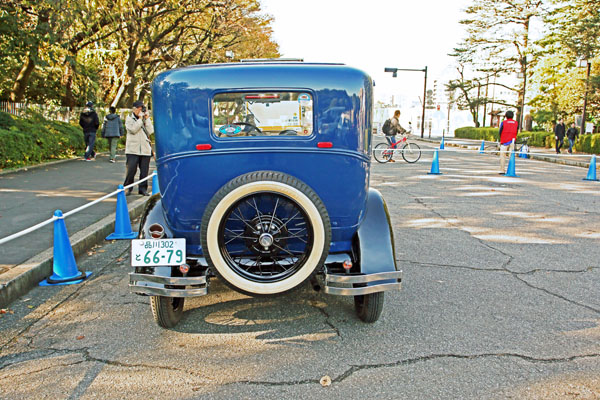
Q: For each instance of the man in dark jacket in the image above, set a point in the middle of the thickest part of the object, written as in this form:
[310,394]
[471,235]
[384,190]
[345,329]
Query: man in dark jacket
[112,129]
[559,134]
[88,120]
[572,134]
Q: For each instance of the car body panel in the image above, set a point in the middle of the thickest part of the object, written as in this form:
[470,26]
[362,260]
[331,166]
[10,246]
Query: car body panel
[342,118]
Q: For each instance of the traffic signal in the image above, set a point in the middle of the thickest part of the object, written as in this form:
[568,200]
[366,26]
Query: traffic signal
[429,99]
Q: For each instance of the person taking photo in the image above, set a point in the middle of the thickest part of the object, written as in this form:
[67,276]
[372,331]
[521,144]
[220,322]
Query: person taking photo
[138,147]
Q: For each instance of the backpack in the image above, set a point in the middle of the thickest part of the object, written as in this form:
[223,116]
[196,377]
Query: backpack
[387,126]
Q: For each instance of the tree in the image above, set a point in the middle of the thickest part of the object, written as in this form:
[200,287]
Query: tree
[467,98]
[29,23]
[109,51]
[574,32]
[497,41]
[575,27]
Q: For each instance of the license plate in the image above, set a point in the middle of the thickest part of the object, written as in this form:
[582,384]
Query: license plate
[155,252]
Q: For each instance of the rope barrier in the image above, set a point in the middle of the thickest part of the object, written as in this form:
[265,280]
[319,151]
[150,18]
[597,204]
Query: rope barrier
[479,151]
[83,207]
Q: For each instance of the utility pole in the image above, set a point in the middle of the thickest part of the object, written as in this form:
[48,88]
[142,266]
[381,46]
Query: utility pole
[424,93]
[487,84]
[587,82]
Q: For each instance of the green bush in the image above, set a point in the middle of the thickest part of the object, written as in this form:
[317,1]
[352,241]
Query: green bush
[28,141]
[6,120]
[469,132]
[585,143]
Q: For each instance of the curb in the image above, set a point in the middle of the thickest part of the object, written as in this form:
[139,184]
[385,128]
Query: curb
[23,277]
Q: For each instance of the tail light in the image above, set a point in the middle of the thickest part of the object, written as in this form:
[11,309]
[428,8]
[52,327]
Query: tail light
[184,268]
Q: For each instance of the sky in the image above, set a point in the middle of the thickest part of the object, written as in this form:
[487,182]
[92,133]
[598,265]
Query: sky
[371,35]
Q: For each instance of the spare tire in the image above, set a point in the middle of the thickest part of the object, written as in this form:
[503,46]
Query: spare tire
[265,233]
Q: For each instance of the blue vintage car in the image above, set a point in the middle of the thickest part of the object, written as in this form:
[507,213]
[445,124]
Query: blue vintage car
[263,169]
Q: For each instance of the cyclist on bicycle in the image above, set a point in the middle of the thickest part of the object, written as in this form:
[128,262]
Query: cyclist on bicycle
[396,128]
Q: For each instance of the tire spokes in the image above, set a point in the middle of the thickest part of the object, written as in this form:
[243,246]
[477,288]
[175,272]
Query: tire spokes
[266,237]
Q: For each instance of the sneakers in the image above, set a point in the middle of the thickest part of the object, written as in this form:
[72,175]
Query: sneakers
[89,159]
[111,160]
[391,160]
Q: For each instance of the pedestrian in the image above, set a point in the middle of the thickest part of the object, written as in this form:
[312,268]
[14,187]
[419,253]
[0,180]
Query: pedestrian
[88,120]
[508,135]
[392,128]
[572,134]
[559,134]
[138,147]
[112,129]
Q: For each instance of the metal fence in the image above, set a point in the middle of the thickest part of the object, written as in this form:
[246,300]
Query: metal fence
[52,112]
[57,113]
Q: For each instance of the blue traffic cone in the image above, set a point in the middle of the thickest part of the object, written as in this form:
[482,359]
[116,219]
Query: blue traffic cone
[510,171]
[435,165]
[64,267]
[591,176]
[122,223]
[155,188]
[442,144]
[482,148]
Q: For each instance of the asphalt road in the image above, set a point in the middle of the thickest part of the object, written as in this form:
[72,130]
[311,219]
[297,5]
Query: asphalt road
[500,300]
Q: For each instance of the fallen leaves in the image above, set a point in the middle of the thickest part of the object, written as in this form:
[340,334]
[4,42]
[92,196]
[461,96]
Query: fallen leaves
[6,311]
[325,381]
[80,337]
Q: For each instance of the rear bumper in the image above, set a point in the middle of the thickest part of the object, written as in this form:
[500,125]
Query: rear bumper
[168,286]
[335,284]
[346,285]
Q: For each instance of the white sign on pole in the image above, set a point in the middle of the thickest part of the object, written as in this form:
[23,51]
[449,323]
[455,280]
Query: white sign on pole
[589,127]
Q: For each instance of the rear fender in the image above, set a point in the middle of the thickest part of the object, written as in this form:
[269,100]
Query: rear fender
[374,268]
[375,244]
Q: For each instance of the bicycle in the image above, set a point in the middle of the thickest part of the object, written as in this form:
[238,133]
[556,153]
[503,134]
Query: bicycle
[523,150]
[521,147]
[384,152]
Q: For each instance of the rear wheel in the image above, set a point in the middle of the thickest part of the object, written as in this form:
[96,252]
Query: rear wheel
[382,153]
[369,306]
[167,311]
[411,152]
[265,233]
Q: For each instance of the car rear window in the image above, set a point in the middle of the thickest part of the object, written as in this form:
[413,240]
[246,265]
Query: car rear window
[251,114]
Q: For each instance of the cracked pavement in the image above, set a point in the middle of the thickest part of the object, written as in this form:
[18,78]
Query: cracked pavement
[500,300]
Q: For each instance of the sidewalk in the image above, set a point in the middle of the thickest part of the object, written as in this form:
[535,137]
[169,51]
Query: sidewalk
[31,195]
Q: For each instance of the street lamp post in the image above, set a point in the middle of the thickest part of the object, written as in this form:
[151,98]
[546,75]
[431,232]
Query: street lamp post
[588,64]
[394,72]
